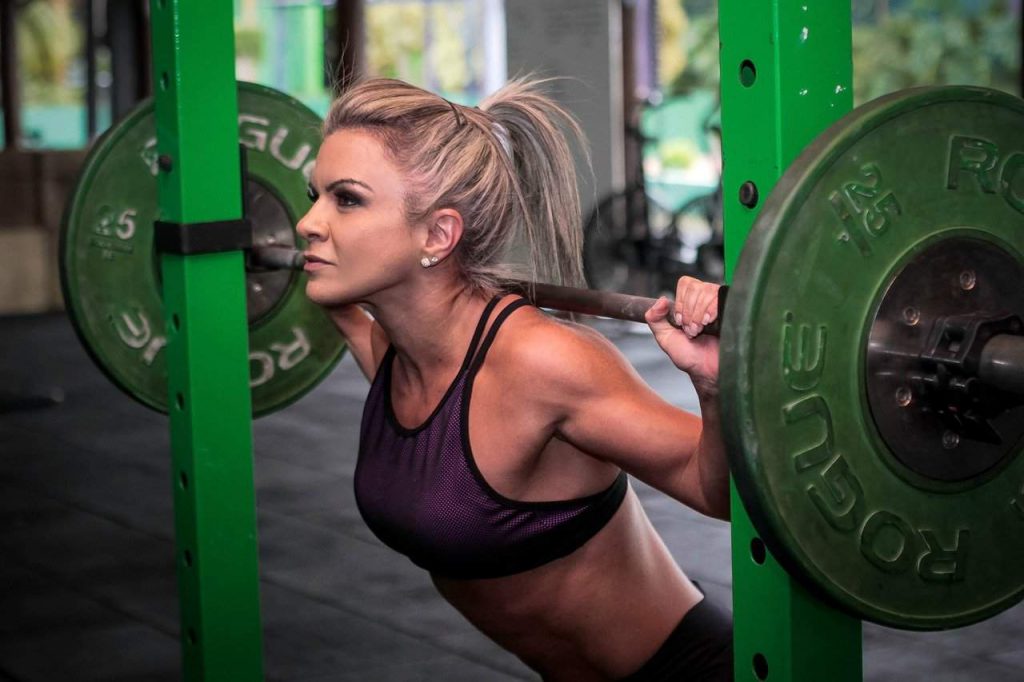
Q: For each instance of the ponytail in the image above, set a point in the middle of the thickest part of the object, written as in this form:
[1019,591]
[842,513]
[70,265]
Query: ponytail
[539,132]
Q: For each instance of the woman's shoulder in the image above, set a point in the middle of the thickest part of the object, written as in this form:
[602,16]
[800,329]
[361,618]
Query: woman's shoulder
[560,352]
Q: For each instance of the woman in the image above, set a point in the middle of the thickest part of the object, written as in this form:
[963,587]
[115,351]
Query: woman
[494,437]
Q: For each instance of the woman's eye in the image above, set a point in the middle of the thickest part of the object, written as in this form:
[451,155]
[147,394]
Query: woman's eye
[346,199]
[312,194]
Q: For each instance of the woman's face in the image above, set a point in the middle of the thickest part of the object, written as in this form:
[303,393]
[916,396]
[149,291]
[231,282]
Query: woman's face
[360,242]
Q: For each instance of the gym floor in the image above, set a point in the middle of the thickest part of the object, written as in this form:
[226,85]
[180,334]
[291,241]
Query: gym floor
[87,582]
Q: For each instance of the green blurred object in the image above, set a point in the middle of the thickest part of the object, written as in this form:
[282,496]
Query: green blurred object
[250,42]
[681,117]
[937,42]
[677,152]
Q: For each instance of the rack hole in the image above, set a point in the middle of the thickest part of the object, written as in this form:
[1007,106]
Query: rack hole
[749,195]
[760,666]
[758,552]
[748,73]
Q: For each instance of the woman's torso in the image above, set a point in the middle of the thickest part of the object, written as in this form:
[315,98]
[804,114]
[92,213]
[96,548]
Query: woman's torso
[595,614]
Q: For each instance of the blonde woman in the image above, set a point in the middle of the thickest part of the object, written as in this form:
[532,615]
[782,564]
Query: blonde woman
[495,439]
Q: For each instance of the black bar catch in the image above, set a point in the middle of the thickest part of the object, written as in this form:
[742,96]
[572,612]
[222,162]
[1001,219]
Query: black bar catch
[211,237]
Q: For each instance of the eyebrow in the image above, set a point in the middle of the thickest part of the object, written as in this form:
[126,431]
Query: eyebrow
[346,181]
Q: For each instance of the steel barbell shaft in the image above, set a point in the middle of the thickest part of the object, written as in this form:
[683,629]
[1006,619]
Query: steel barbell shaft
[568,299]
[602,303]
[277,258]
[1002,363]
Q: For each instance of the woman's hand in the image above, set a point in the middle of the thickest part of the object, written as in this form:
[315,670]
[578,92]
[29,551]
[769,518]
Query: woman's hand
[696,306]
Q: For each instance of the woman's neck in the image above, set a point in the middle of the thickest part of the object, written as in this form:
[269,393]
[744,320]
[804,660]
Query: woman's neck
[430,331]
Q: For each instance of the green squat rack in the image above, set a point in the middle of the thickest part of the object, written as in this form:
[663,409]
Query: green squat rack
[872,349]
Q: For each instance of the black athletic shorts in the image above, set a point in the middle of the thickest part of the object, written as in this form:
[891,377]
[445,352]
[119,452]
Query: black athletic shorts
[699,649]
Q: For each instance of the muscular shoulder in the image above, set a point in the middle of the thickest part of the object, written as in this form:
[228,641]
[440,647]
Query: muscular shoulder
[557,360]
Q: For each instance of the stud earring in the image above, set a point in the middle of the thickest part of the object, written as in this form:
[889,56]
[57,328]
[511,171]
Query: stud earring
[425,262]
[433,260]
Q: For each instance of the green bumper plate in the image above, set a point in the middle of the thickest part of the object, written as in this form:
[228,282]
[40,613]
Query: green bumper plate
[887,182]
[110,271]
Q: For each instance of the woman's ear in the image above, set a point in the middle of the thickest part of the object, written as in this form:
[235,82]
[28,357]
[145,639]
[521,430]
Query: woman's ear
[443,234]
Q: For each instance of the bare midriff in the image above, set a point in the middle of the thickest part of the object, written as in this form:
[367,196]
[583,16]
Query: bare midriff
[596,614]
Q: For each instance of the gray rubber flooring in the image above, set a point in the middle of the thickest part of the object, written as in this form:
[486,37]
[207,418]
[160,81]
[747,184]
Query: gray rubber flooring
[87,583]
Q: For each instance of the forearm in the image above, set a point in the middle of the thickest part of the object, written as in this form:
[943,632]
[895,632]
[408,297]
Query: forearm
[357,327]
[710,460]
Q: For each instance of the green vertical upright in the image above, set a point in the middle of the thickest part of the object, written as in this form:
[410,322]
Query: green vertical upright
[207,349]
[786,74]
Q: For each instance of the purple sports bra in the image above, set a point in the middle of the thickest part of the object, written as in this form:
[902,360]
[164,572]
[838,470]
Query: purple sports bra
[420,491]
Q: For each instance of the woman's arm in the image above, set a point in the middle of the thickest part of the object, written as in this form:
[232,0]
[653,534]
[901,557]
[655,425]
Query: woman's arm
[599,403]
[366,341]
[696,306]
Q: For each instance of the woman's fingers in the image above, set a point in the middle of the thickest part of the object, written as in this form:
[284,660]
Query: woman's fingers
[696,305]
[659,312]
[710,311]
[698,357]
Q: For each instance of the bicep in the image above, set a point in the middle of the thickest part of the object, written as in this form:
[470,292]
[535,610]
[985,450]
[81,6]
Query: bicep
[628,424]
[607,410]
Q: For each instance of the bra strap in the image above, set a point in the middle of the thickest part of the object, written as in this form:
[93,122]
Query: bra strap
[480,326]
[493,331]
[389,354]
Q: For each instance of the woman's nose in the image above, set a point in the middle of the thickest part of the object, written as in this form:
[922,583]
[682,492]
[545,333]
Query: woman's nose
[307,227]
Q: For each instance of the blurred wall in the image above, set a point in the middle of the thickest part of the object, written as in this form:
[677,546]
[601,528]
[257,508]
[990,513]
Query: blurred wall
[580,42]
[34,186]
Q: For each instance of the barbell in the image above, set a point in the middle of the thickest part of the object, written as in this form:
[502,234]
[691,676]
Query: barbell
[996,361]
[872,347]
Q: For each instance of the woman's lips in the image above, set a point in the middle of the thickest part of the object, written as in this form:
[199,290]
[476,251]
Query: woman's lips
[313,262]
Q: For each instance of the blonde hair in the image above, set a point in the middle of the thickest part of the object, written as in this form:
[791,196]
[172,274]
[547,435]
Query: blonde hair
[507,167]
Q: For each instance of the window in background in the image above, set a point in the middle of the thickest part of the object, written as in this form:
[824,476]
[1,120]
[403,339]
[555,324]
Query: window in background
[51,69]
[453,47]
[280,44]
